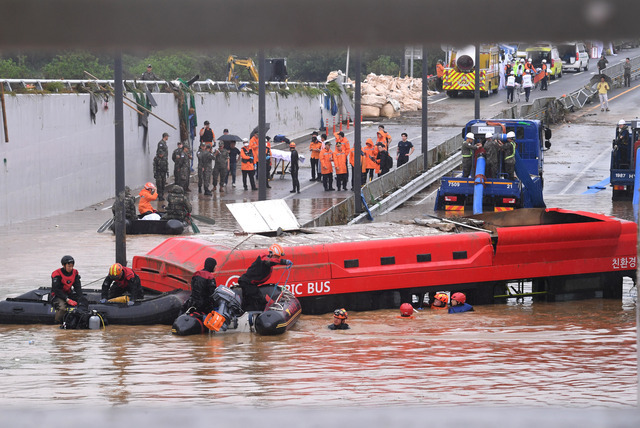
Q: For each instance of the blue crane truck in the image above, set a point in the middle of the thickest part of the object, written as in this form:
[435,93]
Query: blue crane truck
[499,193]
[623,154]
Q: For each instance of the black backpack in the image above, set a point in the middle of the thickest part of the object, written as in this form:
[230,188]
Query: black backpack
[388,161]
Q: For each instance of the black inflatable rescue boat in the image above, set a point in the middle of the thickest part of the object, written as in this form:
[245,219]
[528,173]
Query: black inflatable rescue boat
[34,307]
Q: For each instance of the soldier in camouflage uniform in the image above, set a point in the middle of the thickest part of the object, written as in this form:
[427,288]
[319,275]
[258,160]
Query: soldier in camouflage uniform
[199,154]
[183,169]
[222,166]
[129,204]
[206,159]
[174,156]
[161,172]
[162,145]
[178,206]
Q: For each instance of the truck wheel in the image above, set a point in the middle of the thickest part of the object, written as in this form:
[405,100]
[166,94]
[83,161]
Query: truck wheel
[452,94]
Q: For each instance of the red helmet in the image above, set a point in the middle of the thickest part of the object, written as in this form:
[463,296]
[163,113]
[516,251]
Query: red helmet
[115,271]
[459,297]
[276,250]
[442,297]
[150,186]
[406,310]
[340,314]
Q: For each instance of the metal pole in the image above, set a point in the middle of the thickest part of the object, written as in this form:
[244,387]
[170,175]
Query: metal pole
[262,149]
[346,68]
[411,74]
[357,144]
[477,91]
[120,229]
[425,110]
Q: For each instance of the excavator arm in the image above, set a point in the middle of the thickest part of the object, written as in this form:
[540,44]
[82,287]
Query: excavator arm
[232,61]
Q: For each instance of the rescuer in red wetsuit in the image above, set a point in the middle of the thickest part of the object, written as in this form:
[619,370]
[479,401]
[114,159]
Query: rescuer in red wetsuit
[124,280]
[258,274]
[66,289]
[339,320]
[203,284]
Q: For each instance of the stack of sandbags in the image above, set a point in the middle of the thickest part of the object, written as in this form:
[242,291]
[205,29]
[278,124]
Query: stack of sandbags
[389,96]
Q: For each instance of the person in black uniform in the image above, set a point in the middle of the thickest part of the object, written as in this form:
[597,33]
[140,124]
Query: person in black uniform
[294,167]
[66,289]
[258,274]
[339,320]
[203,284]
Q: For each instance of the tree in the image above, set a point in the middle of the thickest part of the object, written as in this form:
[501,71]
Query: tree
[383,65]
[10,70]
[72,65]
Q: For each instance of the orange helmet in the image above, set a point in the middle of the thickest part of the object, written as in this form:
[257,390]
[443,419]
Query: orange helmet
[340,314]
[115,271]
[276,250]
[292,145]
[459,297]
[150,186]
[442,297]
[406,310]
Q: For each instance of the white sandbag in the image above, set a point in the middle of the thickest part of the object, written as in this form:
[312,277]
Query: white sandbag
[388,111]
[370,111]
[373,100]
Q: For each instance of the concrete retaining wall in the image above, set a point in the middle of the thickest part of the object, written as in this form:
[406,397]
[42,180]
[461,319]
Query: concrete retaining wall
[57,160]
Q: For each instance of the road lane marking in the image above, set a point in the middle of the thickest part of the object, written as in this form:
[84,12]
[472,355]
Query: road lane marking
[578,176]
[437,101]
[495,104]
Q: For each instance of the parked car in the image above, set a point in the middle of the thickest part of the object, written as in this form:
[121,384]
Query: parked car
[574,56]
[539,52]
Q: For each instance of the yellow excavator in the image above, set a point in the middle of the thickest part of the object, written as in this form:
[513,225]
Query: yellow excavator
[234,61]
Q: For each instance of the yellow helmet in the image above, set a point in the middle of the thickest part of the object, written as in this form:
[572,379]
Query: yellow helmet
[115,271]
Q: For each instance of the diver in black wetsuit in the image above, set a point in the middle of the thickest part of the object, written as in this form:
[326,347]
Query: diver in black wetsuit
[258,274]
[339,320]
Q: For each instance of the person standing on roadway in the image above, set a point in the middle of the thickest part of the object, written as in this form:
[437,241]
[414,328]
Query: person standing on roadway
[404,150]
[247,165]
[627,72]
[468,149]
[326,157]
[511,86]
[439,75]
[315,147]
[603,89]
[527,84]
[363,166]
[370,153]
[383,137]
[340,160]
[294,168]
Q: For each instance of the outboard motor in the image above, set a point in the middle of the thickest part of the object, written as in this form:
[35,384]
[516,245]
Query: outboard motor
[229,307]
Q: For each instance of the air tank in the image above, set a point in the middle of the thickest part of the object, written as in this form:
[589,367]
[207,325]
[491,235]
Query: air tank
[465,58]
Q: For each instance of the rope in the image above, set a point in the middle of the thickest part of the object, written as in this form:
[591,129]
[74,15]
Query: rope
[283,288]
[482,178]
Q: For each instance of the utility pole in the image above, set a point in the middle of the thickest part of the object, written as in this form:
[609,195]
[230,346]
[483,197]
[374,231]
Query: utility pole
[425,108]
[357,145]
[120,227]
[262,149]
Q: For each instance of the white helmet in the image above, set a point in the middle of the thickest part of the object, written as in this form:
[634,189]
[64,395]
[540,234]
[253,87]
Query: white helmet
[544,61]
[511,134]
[521,59]
[488,135]
[622,122]
[470,135]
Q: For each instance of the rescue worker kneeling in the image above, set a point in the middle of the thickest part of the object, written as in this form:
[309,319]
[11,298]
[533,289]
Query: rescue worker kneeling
[258,274]
[121,280]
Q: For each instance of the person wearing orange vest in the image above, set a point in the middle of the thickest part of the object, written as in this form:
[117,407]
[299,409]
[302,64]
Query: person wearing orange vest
[439,74]
[254,145]
[383,137]
[66,289]
[363,167]
[371,154]
[315,147]
[326,157]
[147,194]
[121,280]
[247,165]
[340,161]
[545,77]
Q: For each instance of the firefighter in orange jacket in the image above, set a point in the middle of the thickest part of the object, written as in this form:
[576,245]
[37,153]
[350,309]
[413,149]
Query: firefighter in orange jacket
[370,153]
[315,147]
[439,74]
[247,165]
[326,157]
[383,137]
[147,194]
[340,162]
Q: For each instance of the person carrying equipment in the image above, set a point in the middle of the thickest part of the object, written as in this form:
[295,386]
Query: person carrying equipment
[259,273]
[339,320]
[119,281]
[66,289]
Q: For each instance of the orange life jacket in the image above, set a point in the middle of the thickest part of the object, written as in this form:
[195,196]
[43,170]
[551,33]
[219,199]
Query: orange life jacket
[340,161]
[326,156]
[146,197]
